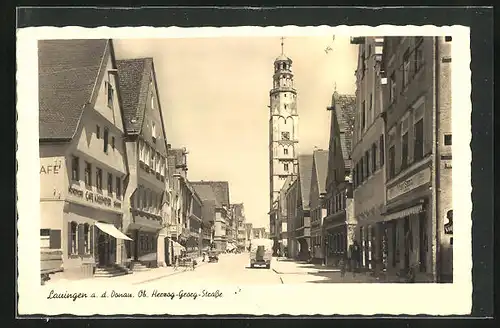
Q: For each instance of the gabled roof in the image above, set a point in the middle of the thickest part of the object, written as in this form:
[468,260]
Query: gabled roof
[217,191]
[134,75]
[305,174]
[321,167]
[68,72]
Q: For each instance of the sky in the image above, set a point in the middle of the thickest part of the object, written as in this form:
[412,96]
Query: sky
[214,94]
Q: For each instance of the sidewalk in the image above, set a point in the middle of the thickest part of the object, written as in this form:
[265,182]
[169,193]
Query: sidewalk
[299,267]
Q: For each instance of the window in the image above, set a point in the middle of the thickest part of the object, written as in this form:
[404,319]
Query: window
[141,151]
[113,143]
[406,68]
[419,55]
[392,162]
[363,116]
[44,238]
[88,174]
[86,238]
[118,187]
[367,163]
[285,151]
[106,136]
[98,179]
[381,147]
[152,101]
[335,175]
[448,38]
[371,103]
[418,148]
[363,65]
[362,170]
[285,166]
[110,95]
[392,90]
[110,184]
[153,131]
[75,169]
[98,131]
[404,151]
[374,157]
[447,139]
[72,247]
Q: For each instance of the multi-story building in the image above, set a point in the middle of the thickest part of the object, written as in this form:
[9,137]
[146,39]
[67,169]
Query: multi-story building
[248,234]
[146,143]
[317,204]
[339,224]
[259,233]
[215,196]
[368,153]
[239,214]
[283,135]
[282,219]
[83,159]
[303,219]
[291,211]
[190,217]
[417,113]
[177,166]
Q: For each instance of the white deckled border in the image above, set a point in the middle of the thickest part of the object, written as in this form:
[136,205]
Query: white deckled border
[364,299]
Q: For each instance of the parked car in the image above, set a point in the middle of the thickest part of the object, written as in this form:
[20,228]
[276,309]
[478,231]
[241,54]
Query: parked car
[261,253]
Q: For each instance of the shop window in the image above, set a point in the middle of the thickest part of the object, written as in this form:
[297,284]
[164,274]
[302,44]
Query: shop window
[110,184]
[75,169]
[98,179]
[86,238]
[73,235]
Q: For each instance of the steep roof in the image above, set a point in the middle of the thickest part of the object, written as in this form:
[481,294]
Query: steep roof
[213,190]
[345,107]
[134,75]
[68,71]
[305,174]
[321,166]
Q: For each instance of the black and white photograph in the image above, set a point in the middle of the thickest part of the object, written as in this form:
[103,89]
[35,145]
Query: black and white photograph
[238,166]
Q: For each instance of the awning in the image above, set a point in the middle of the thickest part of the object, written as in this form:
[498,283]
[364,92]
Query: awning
[177,245]
[111,230]
[403,213]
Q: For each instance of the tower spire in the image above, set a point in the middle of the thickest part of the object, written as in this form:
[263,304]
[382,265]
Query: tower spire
[282,43]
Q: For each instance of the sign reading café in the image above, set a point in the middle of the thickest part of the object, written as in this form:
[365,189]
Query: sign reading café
[94,197]
[415,181]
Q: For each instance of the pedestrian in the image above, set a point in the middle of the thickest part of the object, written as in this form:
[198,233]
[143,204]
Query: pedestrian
[342,264]
[355,257]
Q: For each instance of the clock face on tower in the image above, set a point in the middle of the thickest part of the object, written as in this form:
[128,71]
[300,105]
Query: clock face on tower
[285,135]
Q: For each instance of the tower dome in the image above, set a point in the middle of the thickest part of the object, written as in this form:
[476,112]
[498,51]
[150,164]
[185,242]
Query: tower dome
[283,58]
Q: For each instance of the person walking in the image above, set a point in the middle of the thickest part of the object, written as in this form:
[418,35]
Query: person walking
[355,257]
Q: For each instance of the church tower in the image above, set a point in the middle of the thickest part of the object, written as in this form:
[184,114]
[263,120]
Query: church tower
[283,126]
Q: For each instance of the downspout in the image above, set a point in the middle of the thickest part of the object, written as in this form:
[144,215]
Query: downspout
[436,161]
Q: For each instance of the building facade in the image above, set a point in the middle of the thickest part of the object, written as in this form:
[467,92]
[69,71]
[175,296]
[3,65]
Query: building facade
[283,135]
[146,214]
[282,216]
[339,224]
[303,218]
[83,159]
[215,199]
[417,113]
[239,213]
[248,234]
[317,204]
[292,212]
[368,154]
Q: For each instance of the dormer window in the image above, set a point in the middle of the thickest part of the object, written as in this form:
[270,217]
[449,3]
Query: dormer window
[152,101]
[153,131]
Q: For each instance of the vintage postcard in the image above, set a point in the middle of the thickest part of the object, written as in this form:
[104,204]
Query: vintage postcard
[184,171]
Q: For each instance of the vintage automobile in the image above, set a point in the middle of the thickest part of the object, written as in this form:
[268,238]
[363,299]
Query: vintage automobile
[261,253]
[213,256]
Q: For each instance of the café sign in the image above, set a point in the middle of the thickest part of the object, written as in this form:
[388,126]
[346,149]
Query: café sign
[415,181]
[93,197]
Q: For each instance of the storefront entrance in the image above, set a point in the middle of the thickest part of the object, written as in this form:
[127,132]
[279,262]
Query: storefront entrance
[106,249]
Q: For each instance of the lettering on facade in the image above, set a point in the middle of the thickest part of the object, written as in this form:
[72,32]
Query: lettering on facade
[415,181]
[75,192]
[53,169]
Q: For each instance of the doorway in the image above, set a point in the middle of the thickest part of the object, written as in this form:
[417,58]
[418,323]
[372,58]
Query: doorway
[408,237]
[422,241]
[102,250]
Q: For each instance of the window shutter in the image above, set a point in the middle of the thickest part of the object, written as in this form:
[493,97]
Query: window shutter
[55,239]
[69,238]
[81,240]
[91,237]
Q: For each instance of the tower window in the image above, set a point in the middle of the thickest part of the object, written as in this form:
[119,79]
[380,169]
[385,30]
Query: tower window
[285,166]
[285,151]
[447,139]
